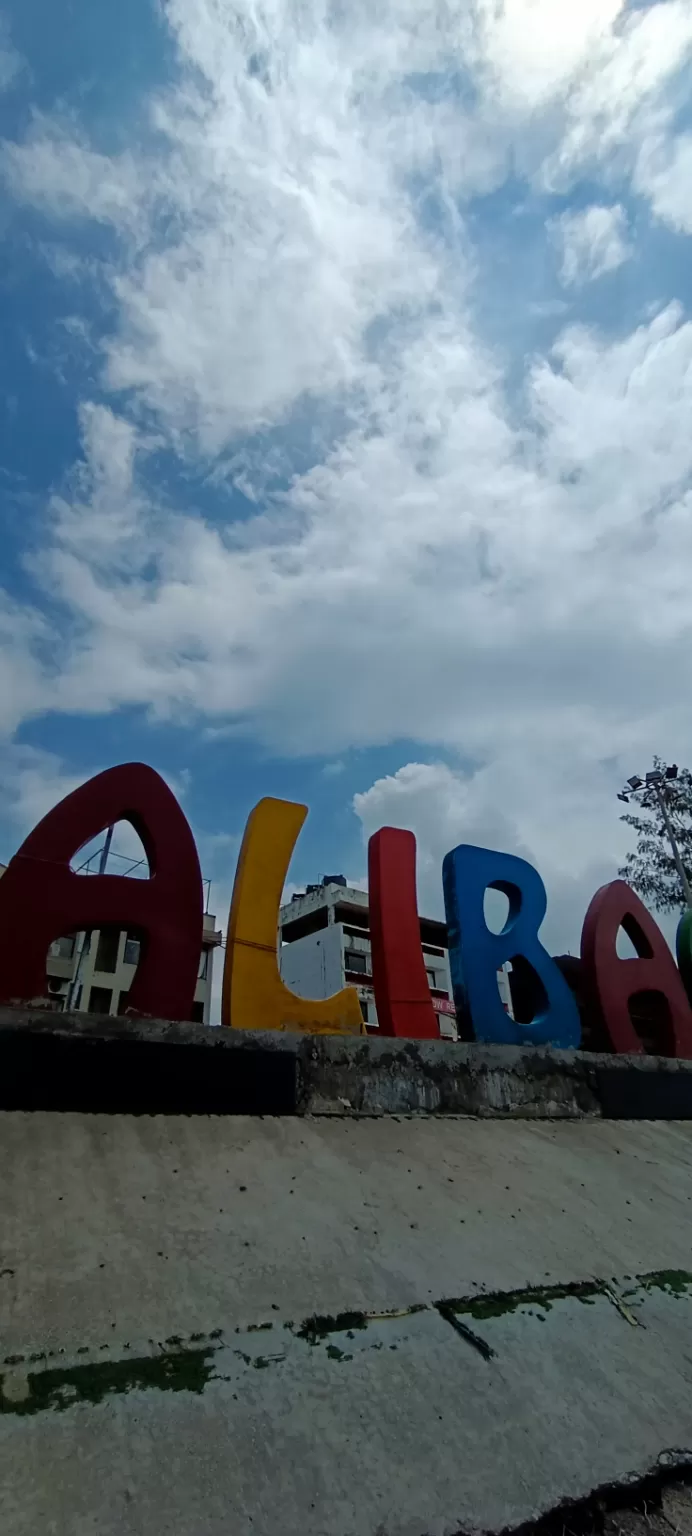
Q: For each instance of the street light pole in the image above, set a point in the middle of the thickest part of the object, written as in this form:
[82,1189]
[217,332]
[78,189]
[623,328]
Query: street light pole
[103,861]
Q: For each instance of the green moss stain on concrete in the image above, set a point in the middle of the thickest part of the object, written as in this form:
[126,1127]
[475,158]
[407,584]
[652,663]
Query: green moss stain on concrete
[542,1297]
[259,1362]
[539,1299]
[319,1327]
[335,1353]
[187,1366]
[315,1329]
[184,1370]
[675,1282]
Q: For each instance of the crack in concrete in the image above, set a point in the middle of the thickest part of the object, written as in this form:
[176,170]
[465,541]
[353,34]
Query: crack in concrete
[447,1311]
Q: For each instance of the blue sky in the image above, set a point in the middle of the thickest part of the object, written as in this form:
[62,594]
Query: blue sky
[346,396]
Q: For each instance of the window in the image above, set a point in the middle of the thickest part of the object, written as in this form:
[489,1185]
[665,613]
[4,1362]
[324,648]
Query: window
[198,1013]
[62,949]
[123,1002]
[431,977]
[100,1000]
[354,960]
[364,1010]
[203,963]
[132,949]
[107,952]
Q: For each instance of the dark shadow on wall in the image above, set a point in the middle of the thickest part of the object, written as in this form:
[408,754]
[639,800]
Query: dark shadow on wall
[40,1071]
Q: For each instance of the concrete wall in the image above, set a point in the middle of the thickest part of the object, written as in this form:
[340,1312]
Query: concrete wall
[351,1323]
[315,1326]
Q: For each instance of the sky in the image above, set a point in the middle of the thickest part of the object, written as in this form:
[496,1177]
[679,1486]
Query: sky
[346,419]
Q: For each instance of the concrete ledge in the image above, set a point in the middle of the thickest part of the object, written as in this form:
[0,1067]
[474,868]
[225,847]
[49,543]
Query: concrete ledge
[378,1077]
[96,1064]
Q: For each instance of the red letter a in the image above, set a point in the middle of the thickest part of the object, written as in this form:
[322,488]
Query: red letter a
[612,981]
[41,898]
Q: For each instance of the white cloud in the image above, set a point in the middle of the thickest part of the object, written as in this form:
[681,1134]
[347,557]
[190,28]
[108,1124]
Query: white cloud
[544,568]
[32,781]
[272,223]
[622,448]
[25,641]
[56,170]
[664,175]
[592,241]
[535,47]
[622,89]
[104,504]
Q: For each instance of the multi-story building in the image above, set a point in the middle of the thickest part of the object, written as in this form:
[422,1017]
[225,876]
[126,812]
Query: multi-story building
[325,945]
[93,973]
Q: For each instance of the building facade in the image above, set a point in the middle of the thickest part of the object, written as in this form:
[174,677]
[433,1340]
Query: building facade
[324,945]
[93,973]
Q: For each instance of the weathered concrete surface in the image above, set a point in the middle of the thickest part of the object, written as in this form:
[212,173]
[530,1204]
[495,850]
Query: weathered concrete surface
[80,1061]
[401,1428]
[165,1270]
[143,1221]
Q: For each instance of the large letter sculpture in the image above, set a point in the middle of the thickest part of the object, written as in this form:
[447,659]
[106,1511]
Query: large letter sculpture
[402,994]
[41,898]
[254,995]
[612,981]
[476,954]
[683,945]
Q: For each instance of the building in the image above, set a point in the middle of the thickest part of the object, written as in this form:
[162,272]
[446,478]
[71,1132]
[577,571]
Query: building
[325,945]
[93,973]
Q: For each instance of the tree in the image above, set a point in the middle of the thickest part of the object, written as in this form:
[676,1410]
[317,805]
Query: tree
[652,870]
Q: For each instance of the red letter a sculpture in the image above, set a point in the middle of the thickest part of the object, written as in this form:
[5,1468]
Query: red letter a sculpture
[41,898]
[613,982]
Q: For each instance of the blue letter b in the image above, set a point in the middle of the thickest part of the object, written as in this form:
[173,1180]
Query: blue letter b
[476,954]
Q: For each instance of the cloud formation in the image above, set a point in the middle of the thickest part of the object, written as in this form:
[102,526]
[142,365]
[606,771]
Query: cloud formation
[593,241]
